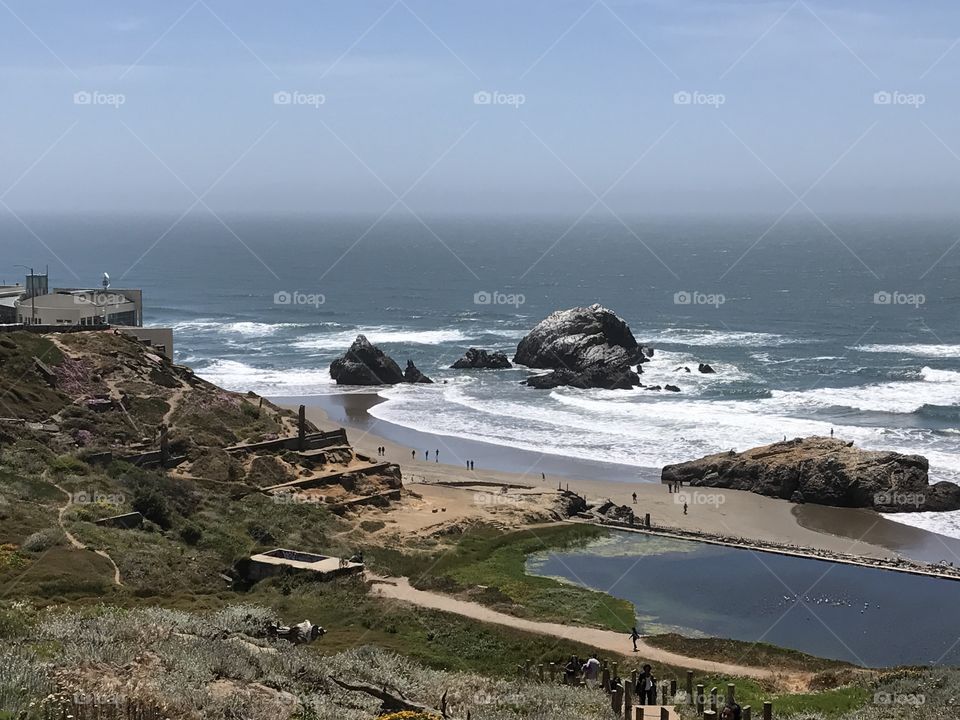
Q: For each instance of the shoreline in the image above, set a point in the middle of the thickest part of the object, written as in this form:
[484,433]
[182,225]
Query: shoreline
[741,519]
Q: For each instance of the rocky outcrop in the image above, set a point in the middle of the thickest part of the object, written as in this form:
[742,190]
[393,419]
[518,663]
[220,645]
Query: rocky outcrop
[825,471]
[705,368]
[365,364]
[588,347]
[475,359]
[671,388]
[413,375]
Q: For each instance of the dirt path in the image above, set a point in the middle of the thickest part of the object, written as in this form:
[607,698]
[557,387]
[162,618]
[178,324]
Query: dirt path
[619,643]
[74,542]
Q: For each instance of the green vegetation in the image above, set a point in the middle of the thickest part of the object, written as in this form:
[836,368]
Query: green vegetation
[745,653]
[492,565]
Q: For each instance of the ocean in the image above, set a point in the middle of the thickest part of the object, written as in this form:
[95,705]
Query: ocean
[850,324]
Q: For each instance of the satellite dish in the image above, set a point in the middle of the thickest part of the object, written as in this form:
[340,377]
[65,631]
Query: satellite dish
[106,281]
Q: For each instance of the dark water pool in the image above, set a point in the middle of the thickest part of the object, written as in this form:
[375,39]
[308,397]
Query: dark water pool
[866,616]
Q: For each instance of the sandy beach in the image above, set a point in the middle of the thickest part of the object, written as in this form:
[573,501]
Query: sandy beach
[728,513]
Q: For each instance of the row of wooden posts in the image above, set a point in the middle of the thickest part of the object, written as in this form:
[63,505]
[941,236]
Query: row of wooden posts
[707,704]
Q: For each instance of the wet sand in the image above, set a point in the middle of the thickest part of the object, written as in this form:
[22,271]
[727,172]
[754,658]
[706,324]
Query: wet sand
[730,513]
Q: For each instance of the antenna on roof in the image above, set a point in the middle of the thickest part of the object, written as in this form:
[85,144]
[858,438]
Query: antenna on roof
[106,281]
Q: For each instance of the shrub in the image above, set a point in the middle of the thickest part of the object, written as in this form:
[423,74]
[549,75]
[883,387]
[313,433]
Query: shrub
[153,506]
[43,540]
[191,534]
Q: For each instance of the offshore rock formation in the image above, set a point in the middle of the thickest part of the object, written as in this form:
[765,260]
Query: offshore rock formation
[588,347]
[475,359]
[824,471]
[413,375]
[366,364]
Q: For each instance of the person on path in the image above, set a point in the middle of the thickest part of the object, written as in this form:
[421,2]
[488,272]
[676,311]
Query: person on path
[591,671]
[634,498]
[634,635]
[413,454]
[436,456]
[684,508]
[646,687]
[426,454]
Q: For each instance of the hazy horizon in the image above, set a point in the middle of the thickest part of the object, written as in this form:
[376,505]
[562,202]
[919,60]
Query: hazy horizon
[612,106]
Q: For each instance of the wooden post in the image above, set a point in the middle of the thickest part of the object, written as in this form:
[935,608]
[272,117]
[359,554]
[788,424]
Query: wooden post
[605,678]
[664,713]
[553,672]
[633,677]
[616,700]
[627,701]
[638,713]
[710,715]
[540,672]
[699,699]
[646,520]
[302,428]
[731,693]
[746,713]
[690,686]
[767,710]
[673,687]
[614,670]
[713,699]
[526,669]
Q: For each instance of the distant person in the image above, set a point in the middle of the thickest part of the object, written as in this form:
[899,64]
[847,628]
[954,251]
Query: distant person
[831,432]
[634,635]
[436,456]
[634,498]
[426,454]
[591,671]
[570,670]
[543,476]
[684,508]
[413,454]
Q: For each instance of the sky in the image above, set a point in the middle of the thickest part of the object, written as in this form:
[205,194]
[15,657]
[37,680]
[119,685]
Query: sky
[500,106]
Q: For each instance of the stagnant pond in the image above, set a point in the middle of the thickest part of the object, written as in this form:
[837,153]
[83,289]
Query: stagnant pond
[871,617]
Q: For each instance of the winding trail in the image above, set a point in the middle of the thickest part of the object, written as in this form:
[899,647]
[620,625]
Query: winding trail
[608,640]
[74,542]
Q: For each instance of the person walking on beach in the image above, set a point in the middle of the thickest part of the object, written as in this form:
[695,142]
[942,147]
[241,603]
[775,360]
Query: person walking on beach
[684,508]
[413,454]
[634,498]
[436,456]
[634,635]
[426,454]
[831,432]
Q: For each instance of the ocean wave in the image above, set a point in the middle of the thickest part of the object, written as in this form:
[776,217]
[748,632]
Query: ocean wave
[931,388]
[718,338]
[240,377]
[382,336]
[945,523]
[241,327]
[917,350]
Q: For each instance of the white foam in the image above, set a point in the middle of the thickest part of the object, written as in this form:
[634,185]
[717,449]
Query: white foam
[245,328]
[241,377]
[382,335]
[717,338]
[945,523]
[933,387]
[918,350]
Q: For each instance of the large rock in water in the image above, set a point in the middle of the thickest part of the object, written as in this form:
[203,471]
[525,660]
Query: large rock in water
[413,375]
[365,364]
[824,471]
[475,359]
[585,347]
